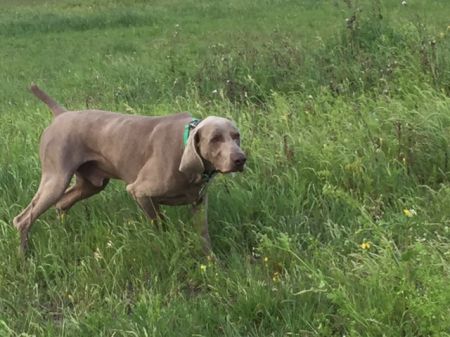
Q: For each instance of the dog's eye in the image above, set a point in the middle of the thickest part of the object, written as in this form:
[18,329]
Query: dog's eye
[236,137]
[216,139]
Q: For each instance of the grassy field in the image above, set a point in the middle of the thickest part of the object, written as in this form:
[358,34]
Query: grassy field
[338,227]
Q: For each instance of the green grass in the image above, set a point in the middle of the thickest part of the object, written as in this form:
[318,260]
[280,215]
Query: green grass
[346,124]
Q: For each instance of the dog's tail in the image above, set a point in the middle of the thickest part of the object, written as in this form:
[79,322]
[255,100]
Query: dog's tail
[55,107]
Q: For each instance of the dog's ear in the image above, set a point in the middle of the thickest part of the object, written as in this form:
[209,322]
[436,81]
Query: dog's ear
[191,162]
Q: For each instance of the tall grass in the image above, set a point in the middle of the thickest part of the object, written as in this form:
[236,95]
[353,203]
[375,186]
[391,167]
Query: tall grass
[340,224]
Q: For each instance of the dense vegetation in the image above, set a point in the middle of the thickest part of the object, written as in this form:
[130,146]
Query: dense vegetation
[340,224]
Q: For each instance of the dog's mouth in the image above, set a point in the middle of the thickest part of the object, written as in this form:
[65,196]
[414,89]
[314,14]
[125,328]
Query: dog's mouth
[236,168]
[239,168]
[236,164]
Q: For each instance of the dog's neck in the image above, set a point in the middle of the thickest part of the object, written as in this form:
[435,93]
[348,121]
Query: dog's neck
[209,172]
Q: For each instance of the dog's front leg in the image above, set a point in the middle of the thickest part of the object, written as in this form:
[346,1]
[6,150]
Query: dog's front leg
[200,221]
[150,208]
[140,190]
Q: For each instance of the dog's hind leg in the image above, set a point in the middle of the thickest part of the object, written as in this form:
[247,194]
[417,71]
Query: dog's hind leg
[49,192]
[81,190]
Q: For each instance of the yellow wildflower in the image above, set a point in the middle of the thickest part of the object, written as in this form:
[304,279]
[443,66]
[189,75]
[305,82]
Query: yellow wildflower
[409,212]
[365,245]
[203,268]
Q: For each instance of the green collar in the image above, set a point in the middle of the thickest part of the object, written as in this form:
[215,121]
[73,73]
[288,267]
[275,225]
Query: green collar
[188,127]
[206,177]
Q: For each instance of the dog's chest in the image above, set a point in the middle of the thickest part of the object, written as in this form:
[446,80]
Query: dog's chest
[188,196]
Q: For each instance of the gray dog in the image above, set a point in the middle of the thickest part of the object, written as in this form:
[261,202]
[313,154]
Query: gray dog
[163,160]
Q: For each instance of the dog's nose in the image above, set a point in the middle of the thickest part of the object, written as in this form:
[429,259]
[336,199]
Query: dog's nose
[240,160]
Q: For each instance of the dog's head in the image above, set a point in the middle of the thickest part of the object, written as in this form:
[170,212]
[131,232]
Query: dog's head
[213,145]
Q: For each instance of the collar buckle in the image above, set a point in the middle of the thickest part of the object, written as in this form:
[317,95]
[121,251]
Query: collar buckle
[206,180]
